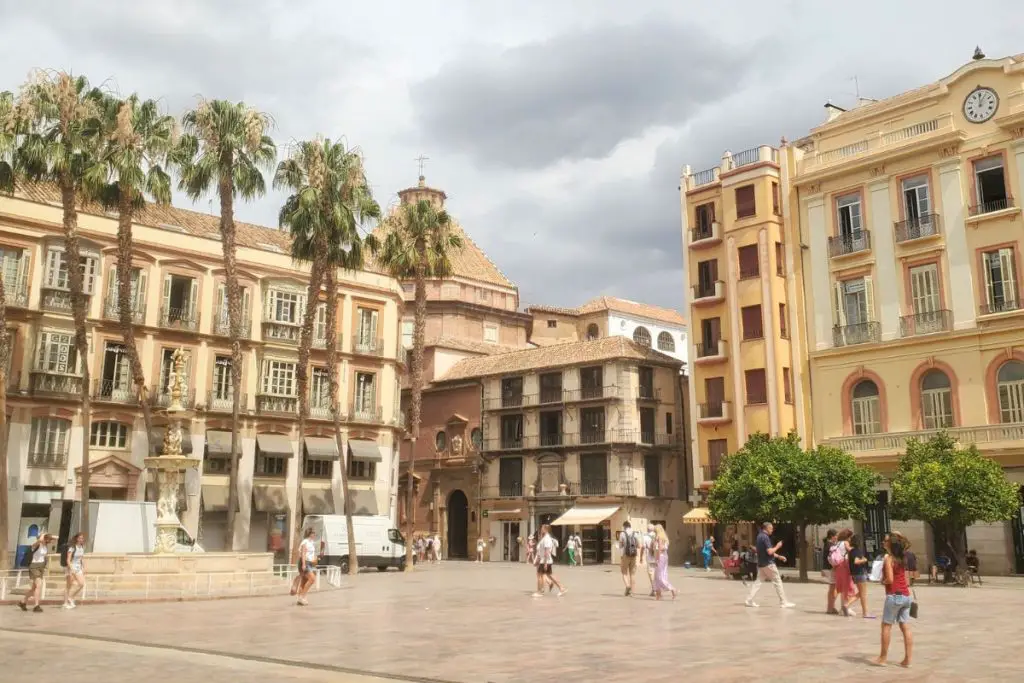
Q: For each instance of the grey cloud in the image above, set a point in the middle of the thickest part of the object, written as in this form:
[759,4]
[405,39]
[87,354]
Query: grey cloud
[576,95]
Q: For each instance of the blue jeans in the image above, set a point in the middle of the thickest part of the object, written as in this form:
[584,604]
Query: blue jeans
[897,609]
[707,560]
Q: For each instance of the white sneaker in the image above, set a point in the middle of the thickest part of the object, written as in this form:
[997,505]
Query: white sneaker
[750,603]
[787,605]
[66,605]
[538,595]
[71,604]
[563,592]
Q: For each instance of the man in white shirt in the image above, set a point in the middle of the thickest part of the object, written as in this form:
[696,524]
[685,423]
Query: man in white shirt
[544,558]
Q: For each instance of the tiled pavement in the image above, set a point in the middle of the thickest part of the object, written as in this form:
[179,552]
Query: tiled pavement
[477,624]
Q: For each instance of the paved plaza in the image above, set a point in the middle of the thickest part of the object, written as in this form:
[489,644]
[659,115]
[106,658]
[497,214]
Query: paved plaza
[469,623]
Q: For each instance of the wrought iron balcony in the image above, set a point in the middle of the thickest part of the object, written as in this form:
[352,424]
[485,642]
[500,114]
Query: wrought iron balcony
[46,383]
[222,325]
[510,401]
[999,307]
[708,292]
[646,437]
[160,397]
[320,342]
[368,414]
[112,310]
[647,393]
[551,395]
[320,406]
[114,391]
[705,235]
[217,402]
[512,489]
[179,318]
[589,437]
[843,245]
[926,323]
[591,393]
[365,346]
[48,459]
[917,228]
[272,404]
[991,206]
[861,333]
[601,486]
[16,291]
[55,300]
[714,411]
[551,439]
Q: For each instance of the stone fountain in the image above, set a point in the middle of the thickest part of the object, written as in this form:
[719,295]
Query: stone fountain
[171,464]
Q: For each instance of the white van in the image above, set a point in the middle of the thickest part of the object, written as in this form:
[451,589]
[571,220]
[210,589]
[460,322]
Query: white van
[377,543]
[118,526]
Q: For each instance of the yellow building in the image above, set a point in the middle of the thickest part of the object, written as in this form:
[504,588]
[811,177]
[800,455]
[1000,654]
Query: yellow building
[910,238]
[740,289]
[178,300]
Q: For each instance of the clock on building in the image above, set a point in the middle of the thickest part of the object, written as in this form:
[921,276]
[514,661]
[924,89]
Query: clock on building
[981,105]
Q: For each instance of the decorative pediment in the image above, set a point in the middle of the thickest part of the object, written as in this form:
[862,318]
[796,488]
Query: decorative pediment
[184,264]
[457,419]
[110,465]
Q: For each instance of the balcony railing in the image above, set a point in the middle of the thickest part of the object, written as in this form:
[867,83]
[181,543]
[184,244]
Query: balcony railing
[843,245]
[368,347]
[550,440]
[646,437]
[861,333]
[48,459]
[713,410]
[999,307]
[991,206]
[510,401]
[272,404]
[320,342]
[591,393]
[222,325]
[320,406]
[911,229]
[715,349]
[114,391]
[551,395]
[179,318]
[368,414]
[647,393]
[513,489]
[402,356]
[16,291]
[704,177]
[707,292]
[44,383]
[877,142]
[705,235]
[223,403]
[601,486]
[55,300]
[926,323]
[160,397]
[897,441]
[112,310]
[284,333]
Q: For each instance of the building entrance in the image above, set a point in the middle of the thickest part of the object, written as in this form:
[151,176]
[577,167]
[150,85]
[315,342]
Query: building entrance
[1018,535]
[510,541]
[458,525]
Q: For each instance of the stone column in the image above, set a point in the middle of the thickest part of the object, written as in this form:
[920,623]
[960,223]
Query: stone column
[961,279]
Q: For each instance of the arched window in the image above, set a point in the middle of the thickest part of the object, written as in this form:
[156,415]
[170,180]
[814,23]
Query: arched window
[441,441]
[642,336]
[593,332]
[477,437]
[936,400]
[1010,385]
[666,342]
[866,408]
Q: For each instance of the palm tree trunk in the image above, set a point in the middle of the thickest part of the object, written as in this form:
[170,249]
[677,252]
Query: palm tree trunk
[418,338]
[227,234]
[73,256]
[124,312]
[316,275]
[5,351]
[332,373]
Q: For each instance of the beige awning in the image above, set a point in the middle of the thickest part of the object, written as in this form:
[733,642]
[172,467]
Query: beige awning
[584,515]
[186,439]
[511,515]
[698,516]
[317,501]
[215,498]
[277,445]
[219,443]
[364,502]
[321,448]
[364,450]
[269,498]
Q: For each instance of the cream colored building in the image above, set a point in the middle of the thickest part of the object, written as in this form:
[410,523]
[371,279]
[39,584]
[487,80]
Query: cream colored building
[178,301]
[911,235]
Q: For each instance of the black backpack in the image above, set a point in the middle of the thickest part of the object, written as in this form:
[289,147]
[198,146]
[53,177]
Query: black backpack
[629,548]
[64,554]
[26,559]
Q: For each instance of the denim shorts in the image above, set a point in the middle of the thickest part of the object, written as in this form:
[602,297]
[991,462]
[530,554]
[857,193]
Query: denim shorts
[897,609]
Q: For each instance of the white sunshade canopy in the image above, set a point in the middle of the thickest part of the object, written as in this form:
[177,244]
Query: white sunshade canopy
[585,515]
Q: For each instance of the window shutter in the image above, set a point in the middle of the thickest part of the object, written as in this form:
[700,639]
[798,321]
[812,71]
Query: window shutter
[139,296]
[839,309]
[90,268]
[1009,274]
[112,285]
[265,377]
[986,266]
[869,299]
[167,296]
[52,267]
[268,305]
[222,302]
[373,327]
[23,264]
[44,339]
[193,300]
[246,303]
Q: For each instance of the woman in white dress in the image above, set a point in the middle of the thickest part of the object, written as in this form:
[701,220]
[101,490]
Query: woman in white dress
[74,572]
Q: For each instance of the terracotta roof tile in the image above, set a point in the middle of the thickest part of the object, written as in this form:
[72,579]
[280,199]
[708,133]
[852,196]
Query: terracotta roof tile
[472,346]
[611,303]
[572,353]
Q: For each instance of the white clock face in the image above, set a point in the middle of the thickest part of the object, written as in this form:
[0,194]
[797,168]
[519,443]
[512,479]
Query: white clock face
[981,105]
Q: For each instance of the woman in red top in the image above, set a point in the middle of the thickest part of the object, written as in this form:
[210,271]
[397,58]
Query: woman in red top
[897,597]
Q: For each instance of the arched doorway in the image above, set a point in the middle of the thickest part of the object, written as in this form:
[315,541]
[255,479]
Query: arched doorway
[458,525]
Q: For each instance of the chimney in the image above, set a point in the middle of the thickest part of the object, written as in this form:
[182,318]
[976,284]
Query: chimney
[832,111]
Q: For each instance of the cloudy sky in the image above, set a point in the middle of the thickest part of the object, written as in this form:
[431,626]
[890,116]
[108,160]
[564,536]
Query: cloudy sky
[557,128]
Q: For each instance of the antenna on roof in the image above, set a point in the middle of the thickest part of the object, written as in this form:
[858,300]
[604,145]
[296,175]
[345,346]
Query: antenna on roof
[856,87]
[978,54]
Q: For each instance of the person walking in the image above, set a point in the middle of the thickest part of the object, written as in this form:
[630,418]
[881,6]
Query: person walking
[578,542]
[897,597]
[437,548]
[531,548]
[661,582]
[859,566]
[547,548]
[570,550]
[307,565]
[629,548]
[707,550]
[648,555]
[840,561]
[827,573]
[767,554]
[479,550]
[37,572]
[74,572]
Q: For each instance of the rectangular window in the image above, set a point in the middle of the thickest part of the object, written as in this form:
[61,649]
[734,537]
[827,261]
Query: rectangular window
[1000,280]
[180,300]
[753,326]
[593,474]
[780,260]
[652,475]
[591,382]
[222,321]
[865,415]
[917,205]
[849,218]
[483,296]
[592,425]
[222,386]
[278,377]
[362,469]
[367,332]
[551,387]
[111,435]
[707,274]
[319,389]
[705,216]
[787,385]
[783,322]
[511,431]
[936,407]
[270,466]
[552,324]
[510,477]
[854,302]
[136,292]
[718,449]
[57,276]
[645,375]
[990,185]
[57,353]
[49,436]
[366,392]
[1011,400]
[490,333]
[317,469]
[116,381]
[668,423]
[551,428]
[408,328]
[757,390]
[320,323]
[745,203]
[14,270]
[776,200]
[924,289]
[450,290]
[511,392]
[216,465]
[647,420]
[710,334]
[749,266]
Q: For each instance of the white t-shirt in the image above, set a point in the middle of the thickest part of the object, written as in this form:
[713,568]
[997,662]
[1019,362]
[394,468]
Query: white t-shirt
[39,554]
[437,543]
[546,550]
[649,544]
[307,549]
[78,552]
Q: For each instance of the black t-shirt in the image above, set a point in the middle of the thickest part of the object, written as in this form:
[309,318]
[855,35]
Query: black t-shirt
[826,549]
[857,569]
[763,543]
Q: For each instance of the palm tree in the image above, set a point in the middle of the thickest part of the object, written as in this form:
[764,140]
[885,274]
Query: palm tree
[226,148]
[418,243]
[330,199]
[59,144]
[131,165]
[8,145]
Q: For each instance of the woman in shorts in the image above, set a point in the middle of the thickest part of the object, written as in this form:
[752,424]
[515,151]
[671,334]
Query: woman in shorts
[307,564]
[37,572]
[897,597]
[74,572]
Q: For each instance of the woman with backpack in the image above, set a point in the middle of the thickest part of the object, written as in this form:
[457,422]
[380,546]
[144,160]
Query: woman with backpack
[74,571]
[839,559]
[897,597]
[859,566]
[37,572]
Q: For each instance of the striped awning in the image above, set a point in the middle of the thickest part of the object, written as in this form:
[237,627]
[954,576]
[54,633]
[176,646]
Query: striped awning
[698,516]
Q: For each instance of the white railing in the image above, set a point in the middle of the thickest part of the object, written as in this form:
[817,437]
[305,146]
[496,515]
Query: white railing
[879,141]
[898,440]
[704,177]
[746,157]
[169,586]
[910,132]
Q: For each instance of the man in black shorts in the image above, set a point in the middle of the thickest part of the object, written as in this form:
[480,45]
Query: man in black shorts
[545,560]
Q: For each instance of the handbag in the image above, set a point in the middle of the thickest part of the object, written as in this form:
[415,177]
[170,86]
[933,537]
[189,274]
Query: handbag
[877,568]
[913,604]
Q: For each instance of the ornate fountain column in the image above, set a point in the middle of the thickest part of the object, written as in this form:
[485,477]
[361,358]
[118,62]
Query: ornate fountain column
[171,464]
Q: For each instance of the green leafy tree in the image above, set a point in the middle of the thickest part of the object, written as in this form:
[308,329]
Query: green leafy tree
[775,479]
[951,487]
